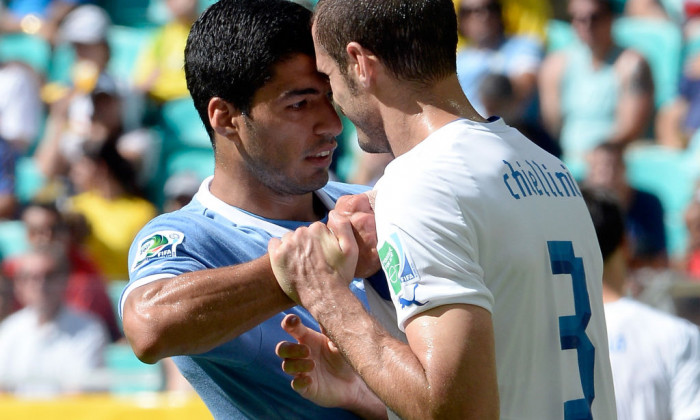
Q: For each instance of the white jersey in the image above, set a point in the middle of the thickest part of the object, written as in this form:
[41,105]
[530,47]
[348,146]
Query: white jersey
[477,214]
[655,361]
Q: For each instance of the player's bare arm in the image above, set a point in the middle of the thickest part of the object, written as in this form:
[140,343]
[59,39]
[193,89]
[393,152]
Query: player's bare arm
[447,369]
[636,103]
[197,311]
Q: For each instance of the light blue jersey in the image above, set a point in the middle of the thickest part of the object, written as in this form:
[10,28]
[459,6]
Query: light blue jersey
[243,377]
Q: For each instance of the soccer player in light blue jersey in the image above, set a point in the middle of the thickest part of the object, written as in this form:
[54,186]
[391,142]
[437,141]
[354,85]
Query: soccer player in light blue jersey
[201,288]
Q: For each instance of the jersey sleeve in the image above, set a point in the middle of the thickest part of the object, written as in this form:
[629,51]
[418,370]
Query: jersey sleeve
[166,247]
[428,246]
[685,386]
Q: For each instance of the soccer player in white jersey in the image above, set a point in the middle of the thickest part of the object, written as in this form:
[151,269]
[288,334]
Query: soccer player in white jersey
[655,356]
[492,261]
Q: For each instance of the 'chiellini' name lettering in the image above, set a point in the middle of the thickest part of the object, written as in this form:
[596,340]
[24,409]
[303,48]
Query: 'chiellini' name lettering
[535,179]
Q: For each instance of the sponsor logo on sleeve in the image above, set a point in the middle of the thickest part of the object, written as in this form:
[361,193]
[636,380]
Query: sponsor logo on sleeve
[400,272]
[161,244]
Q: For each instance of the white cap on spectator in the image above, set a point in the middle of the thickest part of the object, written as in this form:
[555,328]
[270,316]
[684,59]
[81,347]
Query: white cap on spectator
[86,24]
[182,183]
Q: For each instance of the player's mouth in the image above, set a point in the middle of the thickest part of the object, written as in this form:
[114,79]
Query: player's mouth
[322,158]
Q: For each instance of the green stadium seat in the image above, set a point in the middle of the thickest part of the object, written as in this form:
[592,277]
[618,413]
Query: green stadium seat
[559,35]
[128,12]
[61,64]
[182,126]
[13,239]
[670,174]
[28,179]
[29,49]
[126,43]
[198,161]
[128,375]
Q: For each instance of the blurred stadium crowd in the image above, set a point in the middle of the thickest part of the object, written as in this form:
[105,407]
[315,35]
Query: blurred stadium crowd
[98,135]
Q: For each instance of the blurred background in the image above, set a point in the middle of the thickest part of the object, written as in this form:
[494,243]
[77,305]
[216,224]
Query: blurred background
[98,135]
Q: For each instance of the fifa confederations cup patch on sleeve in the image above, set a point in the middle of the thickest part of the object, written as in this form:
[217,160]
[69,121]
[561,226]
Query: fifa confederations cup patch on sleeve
[162,244]
[400,271]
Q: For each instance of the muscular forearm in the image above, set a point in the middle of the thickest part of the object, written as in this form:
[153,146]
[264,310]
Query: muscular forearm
[387,365]
[413,386]
[197,311]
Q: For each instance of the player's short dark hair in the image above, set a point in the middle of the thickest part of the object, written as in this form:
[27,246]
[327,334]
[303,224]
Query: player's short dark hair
[607,216]
[233,46]
[415,39]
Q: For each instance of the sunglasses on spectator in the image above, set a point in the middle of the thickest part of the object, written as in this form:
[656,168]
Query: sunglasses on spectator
[588,19]
[465,11]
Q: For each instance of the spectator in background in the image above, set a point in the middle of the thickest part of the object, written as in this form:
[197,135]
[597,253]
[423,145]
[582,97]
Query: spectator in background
[90,109]
[691,26]
[47,347]
[7,298]
[655,356]
[498,98]
[647,9]
[678,121]
[8,201]
[369,167]
[36,17]
[111,203]
[489,50]
[691,263]
[159,71]
[21,109]
[594,91]
[86,289]
[644,213]
[74,116]
[179,190]
[523,17]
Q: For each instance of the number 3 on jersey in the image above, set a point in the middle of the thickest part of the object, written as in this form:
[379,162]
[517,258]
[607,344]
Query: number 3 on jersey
[572,328]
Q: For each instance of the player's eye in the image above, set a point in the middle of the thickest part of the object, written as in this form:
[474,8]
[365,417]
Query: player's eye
[299,105]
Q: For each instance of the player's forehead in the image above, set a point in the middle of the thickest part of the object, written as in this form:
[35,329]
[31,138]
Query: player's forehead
[323,60]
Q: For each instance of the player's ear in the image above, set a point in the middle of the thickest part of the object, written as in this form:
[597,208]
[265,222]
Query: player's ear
[362,64]
[223,117]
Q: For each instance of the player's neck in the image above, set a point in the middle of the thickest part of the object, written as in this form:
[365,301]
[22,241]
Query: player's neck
[262,201]
[614,276]
[424,110]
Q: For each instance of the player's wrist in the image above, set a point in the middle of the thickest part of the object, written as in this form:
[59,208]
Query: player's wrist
[324,304]
[365,403]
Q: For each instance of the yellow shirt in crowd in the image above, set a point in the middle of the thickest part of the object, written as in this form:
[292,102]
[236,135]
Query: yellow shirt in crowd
[113,226]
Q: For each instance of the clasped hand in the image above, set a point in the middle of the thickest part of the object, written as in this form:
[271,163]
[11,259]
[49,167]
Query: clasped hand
[310,261]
